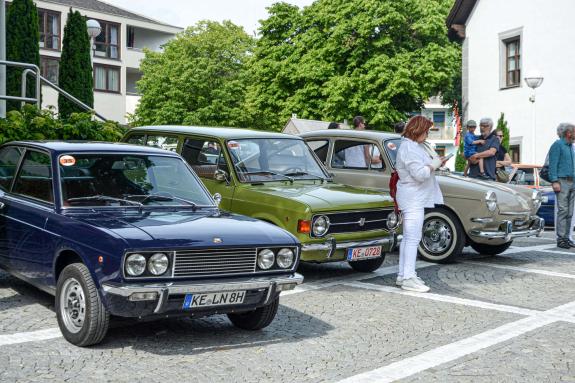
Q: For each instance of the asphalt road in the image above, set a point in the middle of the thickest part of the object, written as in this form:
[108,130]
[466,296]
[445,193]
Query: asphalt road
[509,318]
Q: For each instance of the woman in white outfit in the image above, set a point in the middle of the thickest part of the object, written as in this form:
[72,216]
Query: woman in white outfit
[417,189]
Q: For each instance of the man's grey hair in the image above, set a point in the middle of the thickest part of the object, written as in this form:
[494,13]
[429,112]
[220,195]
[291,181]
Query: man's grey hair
[564,127]
[486,121]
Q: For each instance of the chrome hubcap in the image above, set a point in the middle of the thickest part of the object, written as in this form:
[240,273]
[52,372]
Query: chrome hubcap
[73,305]
[437,236]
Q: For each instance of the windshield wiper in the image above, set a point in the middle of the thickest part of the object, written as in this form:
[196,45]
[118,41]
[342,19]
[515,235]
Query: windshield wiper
[106,198]
[299,174]
[268,172]
[157,197]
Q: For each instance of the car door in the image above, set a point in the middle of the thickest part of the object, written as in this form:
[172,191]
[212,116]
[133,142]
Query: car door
[352,162]
[27,207]
[206,156]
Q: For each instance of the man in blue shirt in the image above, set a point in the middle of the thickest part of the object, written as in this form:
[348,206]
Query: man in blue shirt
[561,173]
[487,151]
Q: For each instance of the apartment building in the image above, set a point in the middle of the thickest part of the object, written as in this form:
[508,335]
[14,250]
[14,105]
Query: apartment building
[117,51]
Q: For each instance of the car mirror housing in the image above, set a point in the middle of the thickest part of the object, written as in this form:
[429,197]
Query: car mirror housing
[221,175]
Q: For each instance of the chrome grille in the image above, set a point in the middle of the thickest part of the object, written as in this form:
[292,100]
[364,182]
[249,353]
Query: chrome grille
[202,262]
[357,221]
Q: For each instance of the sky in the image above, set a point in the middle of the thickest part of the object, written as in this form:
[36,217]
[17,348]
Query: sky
[183,13]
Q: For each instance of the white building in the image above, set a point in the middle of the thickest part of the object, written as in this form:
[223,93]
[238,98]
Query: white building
[117,53]
[442,134]
[504,42]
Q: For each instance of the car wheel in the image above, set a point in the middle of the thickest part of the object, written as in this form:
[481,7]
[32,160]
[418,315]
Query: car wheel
[443,238]
[82,317]
[367,265]
[482,248]
[256,319]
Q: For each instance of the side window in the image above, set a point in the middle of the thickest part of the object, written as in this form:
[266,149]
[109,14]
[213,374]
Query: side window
[163,142]
[320,148]
[35,177]
[9,158]
[356,155]
[203,156]
[136,139]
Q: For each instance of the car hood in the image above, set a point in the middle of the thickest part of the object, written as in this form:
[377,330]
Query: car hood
[322,197]
[186,228]
[510,198]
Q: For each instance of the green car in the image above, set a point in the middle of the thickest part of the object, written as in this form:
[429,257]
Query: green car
[277,178]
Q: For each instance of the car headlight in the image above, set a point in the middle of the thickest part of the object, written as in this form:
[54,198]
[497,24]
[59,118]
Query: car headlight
[285,258]
[266,259]
[135,265]
[537,199]
[393,220]
[158,264]
[491,200]
[320,226]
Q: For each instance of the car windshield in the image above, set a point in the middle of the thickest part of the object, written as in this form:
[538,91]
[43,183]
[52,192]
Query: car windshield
[129,180]
[274,159]
[523,176]
[391,148]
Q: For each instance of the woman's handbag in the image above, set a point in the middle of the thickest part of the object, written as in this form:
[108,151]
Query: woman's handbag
[393,188]
[502,175]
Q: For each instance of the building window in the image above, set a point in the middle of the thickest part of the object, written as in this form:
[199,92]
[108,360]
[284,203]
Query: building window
[107,44]
[438,120]
[131,35]
[49,68]
[512,62]
[106,78]
[49,26]
[440,150]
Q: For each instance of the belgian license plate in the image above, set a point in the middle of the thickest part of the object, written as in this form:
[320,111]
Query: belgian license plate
[357,253]
[214,299]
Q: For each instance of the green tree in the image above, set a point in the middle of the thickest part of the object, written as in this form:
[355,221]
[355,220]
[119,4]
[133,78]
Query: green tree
[338,58]
[198,79]
[502,124]
[460,161]
[21,46]
[75,75]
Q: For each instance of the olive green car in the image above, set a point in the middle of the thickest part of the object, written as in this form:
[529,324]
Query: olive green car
[482,214]
[276,178]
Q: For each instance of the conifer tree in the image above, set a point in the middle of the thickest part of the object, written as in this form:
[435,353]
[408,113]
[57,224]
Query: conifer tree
[502,124]
[21,46]
[75,75]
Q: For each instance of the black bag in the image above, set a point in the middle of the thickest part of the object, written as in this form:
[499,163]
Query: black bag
[544,173]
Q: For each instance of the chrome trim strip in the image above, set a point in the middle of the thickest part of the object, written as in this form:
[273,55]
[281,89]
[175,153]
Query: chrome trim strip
[535,229]
[483,220]
[345,245]
[514,213]
[125,290]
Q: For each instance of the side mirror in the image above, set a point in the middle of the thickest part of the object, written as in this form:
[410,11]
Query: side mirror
[217,198]
[221,175]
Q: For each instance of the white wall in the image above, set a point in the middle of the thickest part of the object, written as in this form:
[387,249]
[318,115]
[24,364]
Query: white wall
[546,45]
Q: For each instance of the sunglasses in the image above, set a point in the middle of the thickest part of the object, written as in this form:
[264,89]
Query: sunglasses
[499,135]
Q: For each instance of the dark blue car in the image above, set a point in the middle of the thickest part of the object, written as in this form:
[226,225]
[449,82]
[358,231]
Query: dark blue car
[115,229]
[547,209]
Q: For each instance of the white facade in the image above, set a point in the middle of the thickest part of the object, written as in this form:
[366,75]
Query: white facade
[113,105]
[546,34]
[442,135]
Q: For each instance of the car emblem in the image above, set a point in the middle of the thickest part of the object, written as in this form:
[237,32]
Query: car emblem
[361,221]
[217,240]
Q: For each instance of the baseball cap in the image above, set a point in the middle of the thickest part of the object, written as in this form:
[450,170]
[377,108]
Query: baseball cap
[471,123]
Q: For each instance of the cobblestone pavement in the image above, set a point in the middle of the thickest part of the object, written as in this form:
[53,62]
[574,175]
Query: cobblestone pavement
[509,318]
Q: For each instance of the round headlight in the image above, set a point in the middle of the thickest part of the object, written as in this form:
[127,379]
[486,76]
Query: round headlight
[392,220]
[285,258]
[537,199]
[265,259]
[158,264]
[135,264]
[320,225]
[491,200]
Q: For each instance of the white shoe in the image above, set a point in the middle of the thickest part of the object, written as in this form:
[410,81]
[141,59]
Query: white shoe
[399,281]
[414,284]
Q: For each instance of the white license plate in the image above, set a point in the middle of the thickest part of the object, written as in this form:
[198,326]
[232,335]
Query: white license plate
[358,253]
[214,299]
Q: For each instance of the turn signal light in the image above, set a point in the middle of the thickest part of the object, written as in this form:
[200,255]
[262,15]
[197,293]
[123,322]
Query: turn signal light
[304,226]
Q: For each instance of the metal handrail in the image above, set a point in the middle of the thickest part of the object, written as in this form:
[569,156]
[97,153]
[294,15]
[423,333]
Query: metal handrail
[29,68]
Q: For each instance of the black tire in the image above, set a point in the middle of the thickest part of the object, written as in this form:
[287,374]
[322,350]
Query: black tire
[367,265]
[443,237]
[256,319]
[482,248]
[75,284]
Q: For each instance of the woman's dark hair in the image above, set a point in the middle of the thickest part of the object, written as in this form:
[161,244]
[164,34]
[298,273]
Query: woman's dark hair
[333,125]
[398,127]
[358,120]
[416,126]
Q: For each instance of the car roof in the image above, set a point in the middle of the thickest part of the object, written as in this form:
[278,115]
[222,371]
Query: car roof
[227,133]
[348,133]
[89,146]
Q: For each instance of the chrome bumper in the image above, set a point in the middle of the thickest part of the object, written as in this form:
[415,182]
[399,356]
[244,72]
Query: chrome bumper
[331,244]
[163,290]
[506,231]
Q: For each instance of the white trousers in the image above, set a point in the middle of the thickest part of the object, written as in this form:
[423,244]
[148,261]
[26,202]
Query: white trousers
[412,227]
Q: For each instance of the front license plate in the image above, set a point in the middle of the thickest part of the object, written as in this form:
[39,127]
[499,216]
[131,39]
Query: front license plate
[358,253]
[214,299]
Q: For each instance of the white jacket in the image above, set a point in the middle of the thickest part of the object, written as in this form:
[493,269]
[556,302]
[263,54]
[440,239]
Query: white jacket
[417,187]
